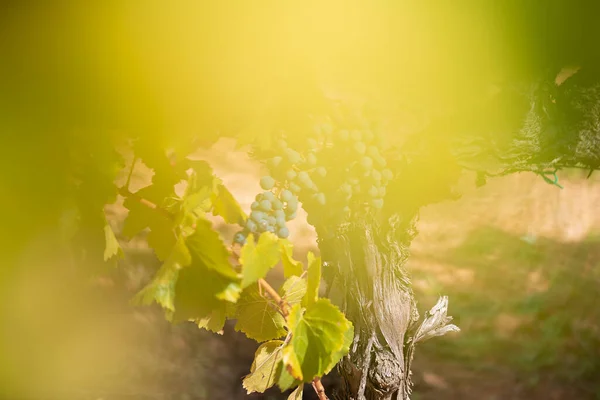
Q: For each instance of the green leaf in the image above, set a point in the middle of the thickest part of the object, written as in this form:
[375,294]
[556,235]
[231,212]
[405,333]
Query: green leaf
[162,237]
[265,367]
[257,259]
[314,280]
[225,205]
[293,290]
[162,287]
[338,355]
[215,321]
[209,283]
[297,393]
[290,266]
[258,316]
[112,245]
[318,338]
[209,249]
[161,290]
[285,380]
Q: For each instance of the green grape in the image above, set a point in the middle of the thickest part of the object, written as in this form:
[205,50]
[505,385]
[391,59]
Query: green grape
[279,214]
[239,238]
[293,156]
[382,191]
[280,222]
[257,216]
[373,191]
[360,147]
[276,204]
[373,152]
[263,226]
[320,198]
[292,206]
[377,203]
[290,216]
[380,161]
[311,159]
[283,232]
[387,174]
[312,143]
[346,188]
[275,161]
[295,188]
[251,226]
[303,177]
[255,205]
[271,220]
[282,144]
[366,163]
[268,196]
[265,205]
[321,171]
[376,175]
[291,174]
[286,195]
[267,182]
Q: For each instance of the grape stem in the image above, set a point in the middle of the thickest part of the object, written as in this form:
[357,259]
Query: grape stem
[133,161]
[124,191]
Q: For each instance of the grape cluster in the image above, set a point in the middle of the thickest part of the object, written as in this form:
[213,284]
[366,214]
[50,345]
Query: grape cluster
[270,211]
[334,173]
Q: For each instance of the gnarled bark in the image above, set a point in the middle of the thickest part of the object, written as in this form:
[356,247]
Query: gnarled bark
[369,283]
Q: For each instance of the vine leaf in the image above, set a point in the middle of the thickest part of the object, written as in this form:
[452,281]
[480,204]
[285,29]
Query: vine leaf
[162,288]
[258,316]
[258,258]
[162,237]
[297,393]
[214,322]
[290,266]
[225,205]
[112,245]
[293,290]
[209,249]
[209,283]
[314,280]
[265,367]
[318,339]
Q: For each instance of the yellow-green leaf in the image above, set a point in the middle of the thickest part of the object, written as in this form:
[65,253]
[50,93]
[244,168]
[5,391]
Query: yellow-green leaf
[258,258]
[297,393]
[112,245]
[225,205]
[313,280]
[265,367]
[293,290]
[258,316]
[319,335]
[290,266]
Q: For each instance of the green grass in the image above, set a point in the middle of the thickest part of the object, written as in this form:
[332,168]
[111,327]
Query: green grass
[555,330]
